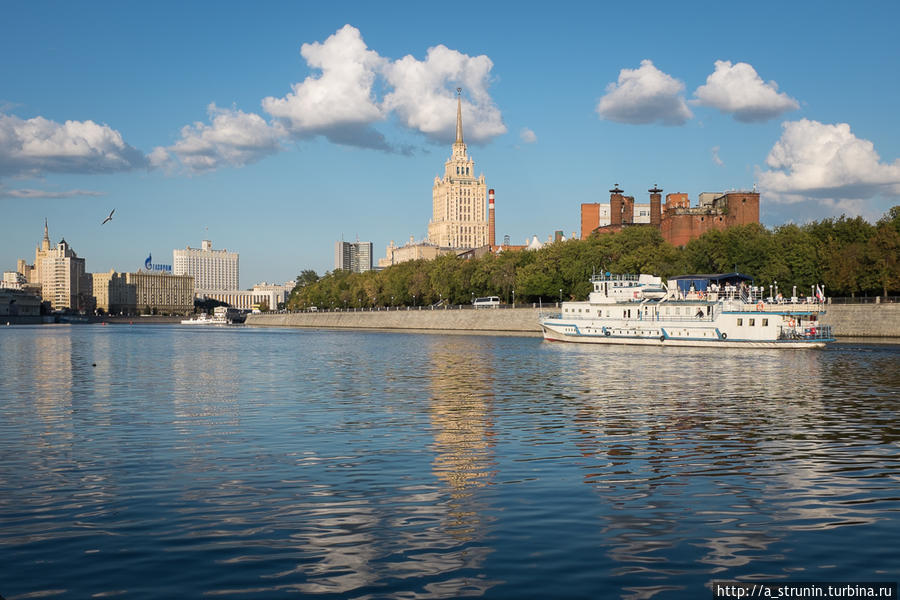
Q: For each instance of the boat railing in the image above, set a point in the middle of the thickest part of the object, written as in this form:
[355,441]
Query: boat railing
[807,332]
[614,277]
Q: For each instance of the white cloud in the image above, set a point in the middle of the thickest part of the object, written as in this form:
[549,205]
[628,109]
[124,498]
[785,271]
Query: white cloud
[715,156]
[27,193]
[828,162]
[527,136]
[424,99]
[38,145]
[339,103]
[232,137]
[738,90]
[645,95]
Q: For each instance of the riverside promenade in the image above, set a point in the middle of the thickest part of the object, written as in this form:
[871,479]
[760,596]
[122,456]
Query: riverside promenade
[847,320]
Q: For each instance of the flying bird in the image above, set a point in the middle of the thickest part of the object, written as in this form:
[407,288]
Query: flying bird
[109,218]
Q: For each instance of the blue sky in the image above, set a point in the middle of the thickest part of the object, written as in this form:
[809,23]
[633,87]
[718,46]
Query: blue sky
[275,128]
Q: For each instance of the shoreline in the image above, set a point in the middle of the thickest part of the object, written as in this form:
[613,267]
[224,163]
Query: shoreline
[871,322]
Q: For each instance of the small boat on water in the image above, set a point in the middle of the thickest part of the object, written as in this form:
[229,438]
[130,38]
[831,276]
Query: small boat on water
[721,311]
[222,315]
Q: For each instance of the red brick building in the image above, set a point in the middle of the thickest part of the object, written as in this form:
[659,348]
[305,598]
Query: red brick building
[677,221]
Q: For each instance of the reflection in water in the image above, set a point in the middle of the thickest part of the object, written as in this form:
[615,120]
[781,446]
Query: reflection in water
[461,397]
[745,433]
[258,463]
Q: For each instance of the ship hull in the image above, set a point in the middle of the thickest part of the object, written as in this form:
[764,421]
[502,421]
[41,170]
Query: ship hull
[562,332]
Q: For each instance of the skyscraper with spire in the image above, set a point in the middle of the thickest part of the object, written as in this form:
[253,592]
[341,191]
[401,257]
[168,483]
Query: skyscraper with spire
[459,217]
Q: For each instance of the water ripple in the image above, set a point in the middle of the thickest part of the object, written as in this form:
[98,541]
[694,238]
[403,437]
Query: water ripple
[260,463]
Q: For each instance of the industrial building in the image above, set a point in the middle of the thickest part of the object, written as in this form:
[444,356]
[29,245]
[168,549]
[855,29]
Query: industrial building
[677,220]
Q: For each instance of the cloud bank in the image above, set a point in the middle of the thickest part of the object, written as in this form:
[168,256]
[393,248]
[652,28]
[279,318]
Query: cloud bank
[232,138]
[739,91]
[829,162]
[645,95]
[339,102]
[423,98]
[29,193]
[38,145]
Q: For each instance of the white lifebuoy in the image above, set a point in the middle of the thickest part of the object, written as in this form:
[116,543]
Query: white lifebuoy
[760,306]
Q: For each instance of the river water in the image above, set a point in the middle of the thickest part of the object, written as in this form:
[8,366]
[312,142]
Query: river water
[162,461]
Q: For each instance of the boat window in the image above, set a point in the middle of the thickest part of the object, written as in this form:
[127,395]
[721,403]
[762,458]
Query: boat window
[765,322]
[752,322]
[740,322]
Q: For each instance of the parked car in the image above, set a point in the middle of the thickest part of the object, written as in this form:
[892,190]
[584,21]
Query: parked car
[487,302]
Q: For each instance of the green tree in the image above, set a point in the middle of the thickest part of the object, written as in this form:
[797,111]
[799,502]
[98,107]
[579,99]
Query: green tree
[884,253]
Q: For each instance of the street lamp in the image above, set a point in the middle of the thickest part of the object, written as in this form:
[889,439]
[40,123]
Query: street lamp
[560,295]
[514,298]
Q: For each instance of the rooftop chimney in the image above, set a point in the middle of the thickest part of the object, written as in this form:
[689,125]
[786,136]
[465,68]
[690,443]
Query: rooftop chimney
[491,237]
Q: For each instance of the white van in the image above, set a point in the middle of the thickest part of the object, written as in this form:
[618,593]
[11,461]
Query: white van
[487,302]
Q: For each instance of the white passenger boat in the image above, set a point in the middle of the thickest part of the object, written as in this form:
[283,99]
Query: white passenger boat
[222,315]
[205,319]
[722,311]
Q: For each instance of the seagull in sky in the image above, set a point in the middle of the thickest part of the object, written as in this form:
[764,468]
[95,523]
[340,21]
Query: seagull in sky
[109,218]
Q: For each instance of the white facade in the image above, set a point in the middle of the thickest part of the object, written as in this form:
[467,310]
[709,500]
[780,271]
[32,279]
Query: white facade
[282,292]
[212,270]
[243,299]
[641,213]
[13,280]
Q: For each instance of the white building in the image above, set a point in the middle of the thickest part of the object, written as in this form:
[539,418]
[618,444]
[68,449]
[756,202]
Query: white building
[212,270]
[244,299]
[13,280]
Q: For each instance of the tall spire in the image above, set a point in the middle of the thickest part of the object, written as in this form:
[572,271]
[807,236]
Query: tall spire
[459,136]
[46,231]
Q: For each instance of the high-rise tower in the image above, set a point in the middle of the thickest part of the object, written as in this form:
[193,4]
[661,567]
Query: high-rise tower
[458,198]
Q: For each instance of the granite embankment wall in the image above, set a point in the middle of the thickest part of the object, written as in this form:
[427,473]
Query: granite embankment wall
[848,320]
[863,320]
[507,321]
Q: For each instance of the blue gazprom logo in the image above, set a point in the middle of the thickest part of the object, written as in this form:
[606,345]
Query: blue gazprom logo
[149,266]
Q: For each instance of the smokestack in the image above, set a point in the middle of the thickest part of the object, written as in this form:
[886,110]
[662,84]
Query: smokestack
[491,237]
[615,206]
[655,205]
